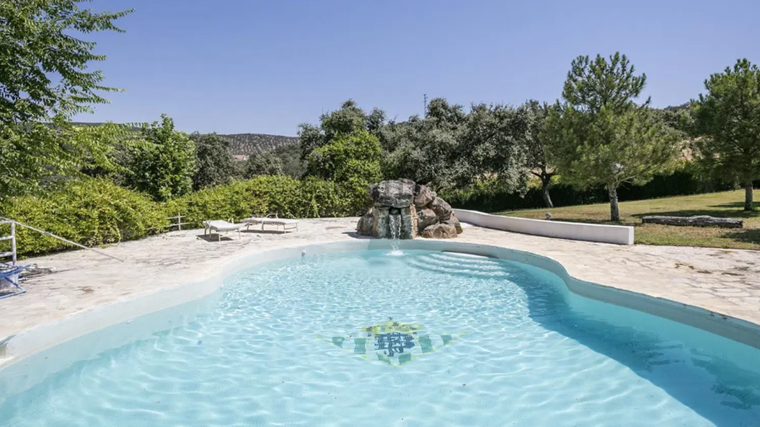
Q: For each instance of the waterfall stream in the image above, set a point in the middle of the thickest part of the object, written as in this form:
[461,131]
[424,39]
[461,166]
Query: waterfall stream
[394,226]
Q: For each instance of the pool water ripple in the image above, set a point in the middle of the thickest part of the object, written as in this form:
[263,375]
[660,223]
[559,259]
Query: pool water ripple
[280,348]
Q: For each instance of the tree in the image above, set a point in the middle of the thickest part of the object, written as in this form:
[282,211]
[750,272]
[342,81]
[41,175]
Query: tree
[165,165]
[493,144]
[728,119]
[427,149]
[215,164]
[267,163]
[598,135]
[348,119]
[535,146]
[39,44]
[350,159]
[36,42]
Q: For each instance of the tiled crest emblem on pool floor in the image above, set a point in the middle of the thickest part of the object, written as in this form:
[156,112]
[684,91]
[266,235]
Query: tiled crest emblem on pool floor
[392,343]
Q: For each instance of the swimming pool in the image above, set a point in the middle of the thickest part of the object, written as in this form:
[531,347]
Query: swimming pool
[423,339]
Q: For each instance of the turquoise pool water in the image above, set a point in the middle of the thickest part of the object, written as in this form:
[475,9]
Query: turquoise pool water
[422,339]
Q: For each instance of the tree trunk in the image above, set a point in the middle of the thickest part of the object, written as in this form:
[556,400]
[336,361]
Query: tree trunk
[748,196]
[545,193]
[614,209]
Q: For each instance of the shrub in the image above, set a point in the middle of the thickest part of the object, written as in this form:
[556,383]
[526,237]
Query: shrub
[96,211]
[287,197]
[350,159]
[90,212]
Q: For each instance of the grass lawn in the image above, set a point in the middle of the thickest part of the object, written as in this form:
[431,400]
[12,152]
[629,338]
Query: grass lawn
[727,204]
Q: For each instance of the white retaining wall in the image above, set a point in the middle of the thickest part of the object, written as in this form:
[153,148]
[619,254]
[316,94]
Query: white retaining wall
[618,234]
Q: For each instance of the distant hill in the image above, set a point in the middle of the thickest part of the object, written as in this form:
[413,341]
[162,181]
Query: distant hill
[246,144]
[242,145]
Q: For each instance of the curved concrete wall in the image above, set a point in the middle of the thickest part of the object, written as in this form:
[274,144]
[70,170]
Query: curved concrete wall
[50,348]
[618,234]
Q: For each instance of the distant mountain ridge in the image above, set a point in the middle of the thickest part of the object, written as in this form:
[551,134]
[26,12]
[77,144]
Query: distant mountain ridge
[246,144]
[241,144]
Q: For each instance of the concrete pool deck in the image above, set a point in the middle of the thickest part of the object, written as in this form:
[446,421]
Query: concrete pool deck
[726,282]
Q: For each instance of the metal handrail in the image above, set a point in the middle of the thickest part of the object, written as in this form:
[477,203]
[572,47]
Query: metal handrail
[49,234]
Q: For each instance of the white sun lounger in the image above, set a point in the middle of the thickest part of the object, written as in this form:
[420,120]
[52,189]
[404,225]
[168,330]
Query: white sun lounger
[286,224]
[220,226]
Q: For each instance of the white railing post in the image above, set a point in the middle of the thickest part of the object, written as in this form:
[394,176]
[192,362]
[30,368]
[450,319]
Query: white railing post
[13,242]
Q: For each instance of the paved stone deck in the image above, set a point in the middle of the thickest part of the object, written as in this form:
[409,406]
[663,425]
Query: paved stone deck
[723,281]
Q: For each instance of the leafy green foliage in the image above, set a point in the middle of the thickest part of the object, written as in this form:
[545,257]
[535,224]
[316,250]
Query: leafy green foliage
[38,40]
[350,159]
[90,212]
[348,119]
[35,156]
[493,143]
[728,119]
[452,148]
[600,136]
[262,195]
[165,166]
[215,164]
[427,149]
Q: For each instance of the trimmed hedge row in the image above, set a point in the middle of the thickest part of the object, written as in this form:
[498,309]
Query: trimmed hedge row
[287,197]
[487,196]
[93,212]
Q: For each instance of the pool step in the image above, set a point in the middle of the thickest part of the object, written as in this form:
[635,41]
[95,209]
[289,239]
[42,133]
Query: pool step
[453,264]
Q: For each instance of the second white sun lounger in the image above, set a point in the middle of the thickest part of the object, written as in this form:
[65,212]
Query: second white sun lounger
[220,226]
[286,224]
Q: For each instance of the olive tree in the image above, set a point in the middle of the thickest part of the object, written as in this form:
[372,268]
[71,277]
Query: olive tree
[214,163]
[535,146]
[727,118]
[598,135]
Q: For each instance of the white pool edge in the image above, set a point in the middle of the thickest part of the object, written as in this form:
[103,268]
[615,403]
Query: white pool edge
[138,317]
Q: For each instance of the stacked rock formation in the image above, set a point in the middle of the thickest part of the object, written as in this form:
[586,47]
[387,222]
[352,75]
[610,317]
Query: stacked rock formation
[402,209]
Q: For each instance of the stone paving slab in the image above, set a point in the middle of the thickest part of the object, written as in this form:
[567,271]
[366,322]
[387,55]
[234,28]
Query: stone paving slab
[723,281]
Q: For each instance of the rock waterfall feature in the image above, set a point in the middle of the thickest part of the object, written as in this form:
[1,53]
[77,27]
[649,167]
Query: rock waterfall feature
[402,209]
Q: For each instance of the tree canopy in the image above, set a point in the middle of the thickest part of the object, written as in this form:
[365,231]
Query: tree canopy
[214,163]
[37,46]
[163,167]
[727,118]
[45,78]
[598,135]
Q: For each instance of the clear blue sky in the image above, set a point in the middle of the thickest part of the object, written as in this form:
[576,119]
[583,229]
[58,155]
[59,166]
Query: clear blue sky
[238,66]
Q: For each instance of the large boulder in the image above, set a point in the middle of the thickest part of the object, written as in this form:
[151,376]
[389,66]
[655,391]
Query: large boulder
[441,209]
[455,222]
[422,196]
[426,218]
[395,194]
[440,231]
[364,227]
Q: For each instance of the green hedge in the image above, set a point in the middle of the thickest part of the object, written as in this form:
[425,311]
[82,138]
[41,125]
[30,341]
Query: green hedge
[262,195]
[90,212]
[93,212]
